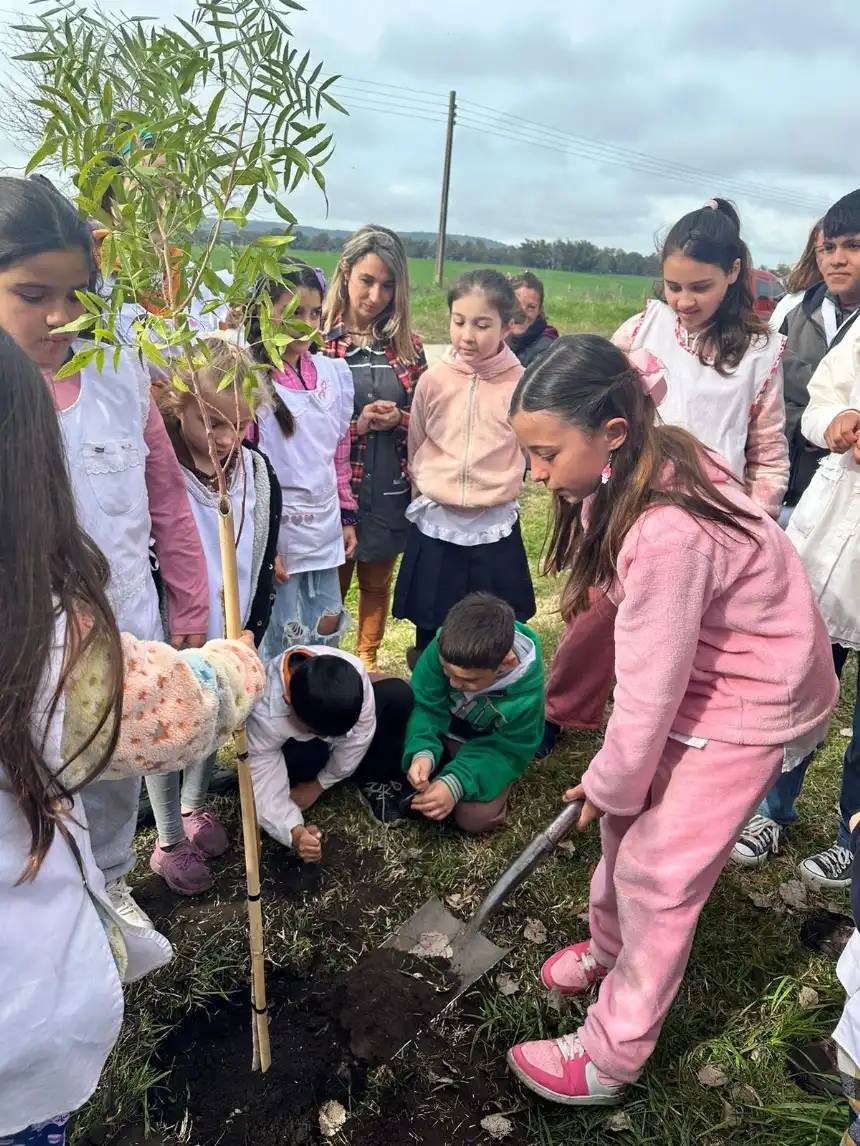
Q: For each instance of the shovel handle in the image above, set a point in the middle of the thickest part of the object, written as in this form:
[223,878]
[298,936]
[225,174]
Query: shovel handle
[530,858]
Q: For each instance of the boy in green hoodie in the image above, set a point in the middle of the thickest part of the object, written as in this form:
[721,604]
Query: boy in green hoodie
[478,716]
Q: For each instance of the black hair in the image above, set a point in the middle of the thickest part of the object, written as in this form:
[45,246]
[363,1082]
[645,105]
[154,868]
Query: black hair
[493,285]
[478,632]
[530,281]
[35,218]
[843,218]
[296,275]
[327,693]
[712,235]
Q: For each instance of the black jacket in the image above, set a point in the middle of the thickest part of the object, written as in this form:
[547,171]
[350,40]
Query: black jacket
[805,347]
[532,343]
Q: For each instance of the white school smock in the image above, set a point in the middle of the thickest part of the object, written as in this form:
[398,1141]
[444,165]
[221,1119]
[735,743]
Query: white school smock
[204,507]
[61,1000]
[106,452]
[713,407]
[825,525]
[272,724]
[311,535]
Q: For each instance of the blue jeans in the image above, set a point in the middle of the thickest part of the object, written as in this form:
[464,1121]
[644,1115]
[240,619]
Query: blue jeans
[299,607]
[170,792]
[779,803]
[52,1133]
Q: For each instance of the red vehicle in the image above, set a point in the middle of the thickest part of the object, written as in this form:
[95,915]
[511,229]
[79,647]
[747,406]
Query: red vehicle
[767,290]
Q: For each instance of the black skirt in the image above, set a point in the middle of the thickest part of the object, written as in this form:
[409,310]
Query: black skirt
[434,575]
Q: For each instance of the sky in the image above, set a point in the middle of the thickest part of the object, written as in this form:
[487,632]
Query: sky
[753,93]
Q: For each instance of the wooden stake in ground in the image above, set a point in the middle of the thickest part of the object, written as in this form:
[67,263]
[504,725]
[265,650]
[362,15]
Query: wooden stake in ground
[262,1055]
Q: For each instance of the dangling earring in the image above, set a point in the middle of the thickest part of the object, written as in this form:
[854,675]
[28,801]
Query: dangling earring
[607,472]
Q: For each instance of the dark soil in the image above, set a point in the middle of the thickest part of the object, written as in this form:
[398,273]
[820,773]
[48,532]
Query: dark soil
[328,1030]
[324,1035]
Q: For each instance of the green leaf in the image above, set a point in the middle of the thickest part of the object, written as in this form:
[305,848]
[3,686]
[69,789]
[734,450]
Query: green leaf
[44,152]
[273,241]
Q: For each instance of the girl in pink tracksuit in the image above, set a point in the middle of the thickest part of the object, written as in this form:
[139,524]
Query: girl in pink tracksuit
[724,384]
[724,676]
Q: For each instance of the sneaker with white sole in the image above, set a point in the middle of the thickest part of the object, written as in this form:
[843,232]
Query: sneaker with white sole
[759,841]
[561,1070]
[124,904]
[830,869]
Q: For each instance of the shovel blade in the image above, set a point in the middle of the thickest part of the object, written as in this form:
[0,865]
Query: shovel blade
[473,954]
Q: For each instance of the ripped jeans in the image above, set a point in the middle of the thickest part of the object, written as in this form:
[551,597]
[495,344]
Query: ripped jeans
[305,602]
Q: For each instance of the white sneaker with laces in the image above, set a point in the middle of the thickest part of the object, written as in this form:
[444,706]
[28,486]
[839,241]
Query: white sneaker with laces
[830,869]
[758,842]
[123,903]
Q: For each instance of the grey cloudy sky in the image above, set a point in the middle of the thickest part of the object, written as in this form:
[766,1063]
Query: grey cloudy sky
[758,93]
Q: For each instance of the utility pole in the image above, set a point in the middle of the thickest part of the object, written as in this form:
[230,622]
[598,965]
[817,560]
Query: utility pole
[446,183]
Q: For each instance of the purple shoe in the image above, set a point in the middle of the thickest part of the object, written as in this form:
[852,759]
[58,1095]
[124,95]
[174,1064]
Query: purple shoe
[183,868]
[206,833]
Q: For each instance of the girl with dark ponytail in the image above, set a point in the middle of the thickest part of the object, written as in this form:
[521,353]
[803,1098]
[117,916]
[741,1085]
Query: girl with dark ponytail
[724,376]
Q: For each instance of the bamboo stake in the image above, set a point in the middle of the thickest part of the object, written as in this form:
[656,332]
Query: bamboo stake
[262,1056]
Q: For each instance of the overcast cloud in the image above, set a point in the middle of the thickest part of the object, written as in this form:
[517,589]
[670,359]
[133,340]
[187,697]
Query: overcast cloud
[759,93]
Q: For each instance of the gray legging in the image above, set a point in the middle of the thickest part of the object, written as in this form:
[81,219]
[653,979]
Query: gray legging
[169,792]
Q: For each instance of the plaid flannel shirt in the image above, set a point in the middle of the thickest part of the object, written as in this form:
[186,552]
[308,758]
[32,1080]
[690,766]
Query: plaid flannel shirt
[336,345]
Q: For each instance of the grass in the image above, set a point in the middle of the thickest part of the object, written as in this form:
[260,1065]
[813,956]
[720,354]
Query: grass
[738,1006]
[574,302]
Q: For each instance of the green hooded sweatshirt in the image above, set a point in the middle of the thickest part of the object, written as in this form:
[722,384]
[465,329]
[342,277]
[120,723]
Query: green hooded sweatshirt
[507,719]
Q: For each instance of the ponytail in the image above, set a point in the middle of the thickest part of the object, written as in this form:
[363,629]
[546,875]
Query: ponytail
[713,235]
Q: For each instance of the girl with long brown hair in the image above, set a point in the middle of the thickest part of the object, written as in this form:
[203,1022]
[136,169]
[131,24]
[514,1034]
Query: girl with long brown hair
[367,323]
[724,676]
[78,701]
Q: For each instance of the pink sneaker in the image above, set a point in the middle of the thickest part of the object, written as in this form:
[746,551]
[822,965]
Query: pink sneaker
[560,1070]
[183,868]
[572,970]
[206,833]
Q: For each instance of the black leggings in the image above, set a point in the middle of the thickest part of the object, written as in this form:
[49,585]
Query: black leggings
[423,637]
[382,762]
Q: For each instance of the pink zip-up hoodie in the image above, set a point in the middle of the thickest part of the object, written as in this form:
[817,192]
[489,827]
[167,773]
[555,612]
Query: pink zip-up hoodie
[717,636]
[462,450]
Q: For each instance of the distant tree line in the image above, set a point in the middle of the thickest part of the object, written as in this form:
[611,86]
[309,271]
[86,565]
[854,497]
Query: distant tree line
[560,255]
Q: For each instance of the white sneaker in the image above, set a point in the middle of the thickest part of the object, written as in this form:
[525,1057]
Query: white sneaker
[760,840]
[119,893]
[829,869]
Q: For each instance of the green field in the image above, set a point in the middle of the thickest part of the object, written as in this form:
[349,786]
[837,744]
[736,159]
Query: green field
[574,302]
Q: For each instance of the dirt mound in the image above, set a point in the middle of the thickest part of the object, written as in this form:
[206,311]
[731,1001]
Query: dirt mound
[325,1035]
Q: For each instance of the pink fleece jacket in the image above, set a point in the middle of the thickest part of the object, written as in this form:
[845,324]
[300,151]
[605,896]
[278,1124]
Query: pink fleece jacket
[717,636]
[462,450]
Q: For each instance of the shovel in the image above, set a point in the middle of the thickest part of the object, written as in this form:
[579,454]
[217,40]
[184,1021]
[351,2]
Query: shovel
[472,953]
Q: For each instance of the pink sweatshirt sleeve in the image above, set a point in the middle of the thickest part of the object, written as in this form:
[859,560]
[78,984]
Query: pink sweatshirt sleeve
[667,585]
[343,469]
[417,430]
[767,463]
[177,541]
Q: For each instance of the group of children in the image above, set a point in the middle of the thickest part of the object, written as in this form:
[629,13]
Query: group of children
[680,585]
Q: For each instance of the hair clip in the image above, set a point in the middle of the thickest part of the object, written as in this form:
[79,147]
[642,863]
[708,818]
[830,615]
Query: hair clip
[713,204]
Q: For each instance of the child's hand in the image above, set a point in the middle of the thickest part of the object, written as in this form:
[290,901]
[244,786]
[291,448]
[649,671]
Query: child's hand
[436,802]
[188,641]
[420,771]
[307,843]
[350,542]
[590,812]
[307,794]
[281,574]
[843,432]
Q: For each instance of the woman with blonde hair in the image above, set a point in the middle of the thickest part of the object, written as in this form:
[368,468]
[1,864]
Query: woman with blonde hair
[368,325]
[804,274]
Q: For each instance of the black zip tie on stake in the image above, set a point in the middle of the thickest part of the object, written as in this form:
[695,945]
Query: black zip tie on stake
[259,1010]
[253,898]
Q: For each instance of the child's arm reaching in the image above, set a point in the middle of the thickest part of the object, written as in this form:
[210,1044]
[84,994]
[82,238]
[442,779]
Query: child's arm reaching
[767,463]
[178,707]
[277,812]
[431,716]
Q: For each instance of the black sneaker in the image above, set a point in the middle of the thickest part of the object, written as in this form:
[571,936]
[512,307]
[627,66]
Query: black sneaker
[550,735]
[830,869]
[384,800]
[759,841]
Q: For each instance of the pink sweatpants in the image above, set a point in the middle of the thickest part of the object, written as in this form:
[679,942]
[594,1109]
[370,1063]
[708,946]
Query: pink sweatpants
[583,667]
[657,871]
